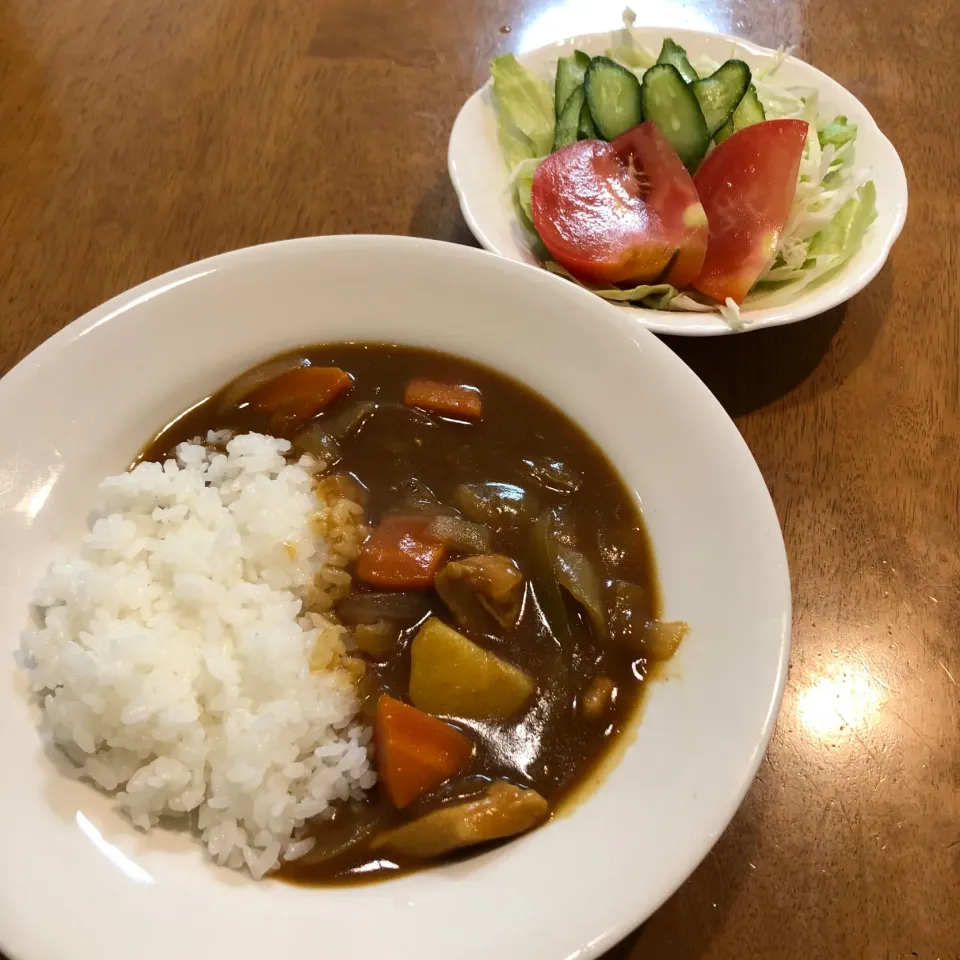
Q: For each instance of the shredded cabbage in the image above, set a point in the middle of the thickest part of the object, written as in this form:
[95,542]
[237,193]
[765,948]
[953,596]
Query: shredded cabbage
[627,50]
[730,311]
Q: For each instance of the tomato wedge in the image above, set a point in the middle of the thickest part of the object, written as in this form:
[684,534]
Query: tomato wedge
[590,213]
[746,186]
[670,193]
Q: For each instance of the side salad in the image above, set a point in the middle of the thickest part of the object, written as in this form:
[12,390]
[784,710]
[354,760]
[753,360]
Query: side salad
[676,185]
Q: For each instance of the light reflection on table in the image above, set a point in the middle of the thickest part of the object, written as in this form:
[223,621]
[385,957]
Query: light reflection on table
[567,18]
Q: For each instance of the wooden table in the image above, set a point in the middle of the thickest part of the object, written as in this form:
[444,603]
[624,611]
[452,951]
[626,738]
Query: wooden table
[136,136]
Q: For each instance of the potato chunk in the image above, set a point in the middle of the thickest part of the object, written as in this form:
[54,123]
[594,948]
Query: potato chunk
[451,675]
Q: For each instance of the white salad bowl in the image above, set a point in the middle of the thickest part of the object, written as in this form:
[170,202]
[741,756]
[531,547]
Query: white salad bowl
[482,180]
[78,881]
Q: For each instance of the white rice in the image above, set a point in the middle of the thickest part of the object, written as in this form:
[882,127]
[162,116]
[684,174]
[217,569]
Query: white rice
[173,659]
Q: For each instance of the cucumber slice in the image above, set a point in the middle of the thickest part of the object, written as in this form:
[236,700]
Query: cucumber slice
[749,111]
[613,93]
[671,105]
[720,93]
[568,123]
[570,73]
[585,129]
[673,53]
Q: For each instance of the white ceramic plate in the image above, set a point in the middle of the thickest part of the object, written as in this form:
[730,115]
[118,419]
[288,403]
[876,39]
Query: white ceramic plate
[481,178]
[76,881]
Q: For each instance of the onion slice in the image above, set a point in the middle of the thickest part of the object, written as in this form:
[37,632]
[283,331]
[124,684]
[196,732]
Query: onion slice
[235,392]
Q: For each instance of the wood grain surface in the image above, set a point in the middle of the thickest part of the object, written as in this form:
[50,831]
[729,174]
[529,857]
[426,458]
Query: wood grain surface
[138,135]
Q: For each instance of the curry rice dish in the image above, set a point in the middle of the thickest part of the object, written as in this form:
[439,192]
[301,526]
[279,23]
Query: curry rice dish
[364,609]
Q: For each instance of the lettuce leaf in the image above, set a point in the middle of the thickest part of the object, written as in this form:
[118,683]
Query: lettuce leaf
[525,114]
[837,132]
[843,235]
[828,250]
[659,295]
[523,185]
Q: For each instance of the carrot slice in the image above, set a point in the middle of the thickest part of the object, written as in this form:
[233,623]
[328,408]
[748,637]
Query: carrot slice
[398,555]
[450,399]
[415,752]
[300,393]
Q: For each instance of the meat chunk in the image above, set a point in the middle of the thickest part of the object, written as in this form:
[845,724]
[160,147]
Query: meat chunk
[502,810]
[491,581]
[598,697]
